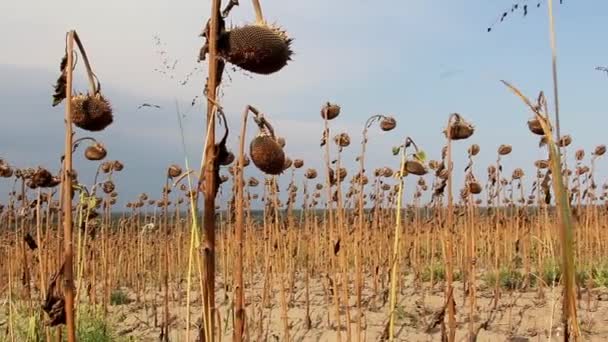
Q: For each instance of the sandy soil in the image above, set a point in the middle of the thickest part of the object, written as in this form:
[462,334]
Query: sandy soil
[519,316]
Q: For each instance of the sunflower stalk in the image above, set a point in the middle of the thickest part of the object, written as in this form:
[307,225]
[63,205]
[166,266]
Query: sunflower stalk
[396,251]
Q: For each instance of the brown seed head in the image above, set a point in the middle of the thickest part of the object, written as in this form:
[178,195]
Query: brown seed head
[267,155]
[5,170]
[387,172]
[42,178]
[415,167]
[504,149]
[174,171]
[565,141]
[600,150]
[310,174]
[108,187]
[517,173]
[91,112]
[474,188]
[117,166]
[459,129]
[298,163]
[474,150]
[106,167]
[260,49]
[342,140]
[330,111]
[541,164]
[388,123]
[95,152]
[535,127]
[434,164]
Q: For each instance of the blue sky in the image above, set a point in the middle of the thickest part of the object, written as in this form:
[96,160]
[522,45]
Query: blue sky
[416,60]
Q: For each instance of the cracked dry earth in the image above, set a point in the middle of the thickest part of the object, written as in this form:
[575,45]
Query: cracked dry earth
[533,315]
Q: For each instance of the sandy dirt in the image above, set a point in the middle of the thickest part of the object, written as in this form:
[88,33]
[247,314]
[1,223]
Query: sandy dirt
[520,316]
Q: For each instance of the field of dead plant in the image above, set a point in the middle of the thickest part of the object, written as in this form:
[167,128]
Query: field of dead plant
[342,252]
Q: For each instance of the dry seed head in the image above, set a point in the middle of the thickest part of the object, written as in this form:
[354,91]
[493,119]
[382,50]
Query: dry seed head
[174,171]
[106,167]
[114,194]
[42,178]
[386,187]
[310,174]
[434,164]
[388,123]
[5,170]
[579,155]
[504,149]
[108,187]
[581,170]
[91,112]
[541,164]
[474,150]
[518,173]
[267,155]
[387,172]
[360,179]
[600,150]
[342,140]
[460,129]
[443,174]
[298,163]
[319,186]
[415,167]
[565,141]
[117,166]
[95,152]
[330,111]
[535,127]
[474,188]
[342,173]
[260,49]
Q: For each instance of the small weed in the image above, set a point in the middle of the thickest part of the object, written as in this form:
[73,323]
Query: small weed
[551,273]
[508,279]
[119,297]
[436,270]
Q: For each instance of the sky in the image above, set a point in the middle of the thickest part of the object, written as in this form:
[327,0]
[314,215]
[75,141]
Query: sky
[418,61]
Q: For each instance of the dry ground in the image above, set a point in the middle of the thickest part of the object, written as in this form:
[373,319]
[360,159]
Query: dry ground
[519,316]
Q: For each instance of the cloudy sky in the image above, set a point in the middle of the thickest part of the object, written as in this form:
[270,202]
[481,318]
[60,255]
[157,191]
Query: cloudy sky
[417,60]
